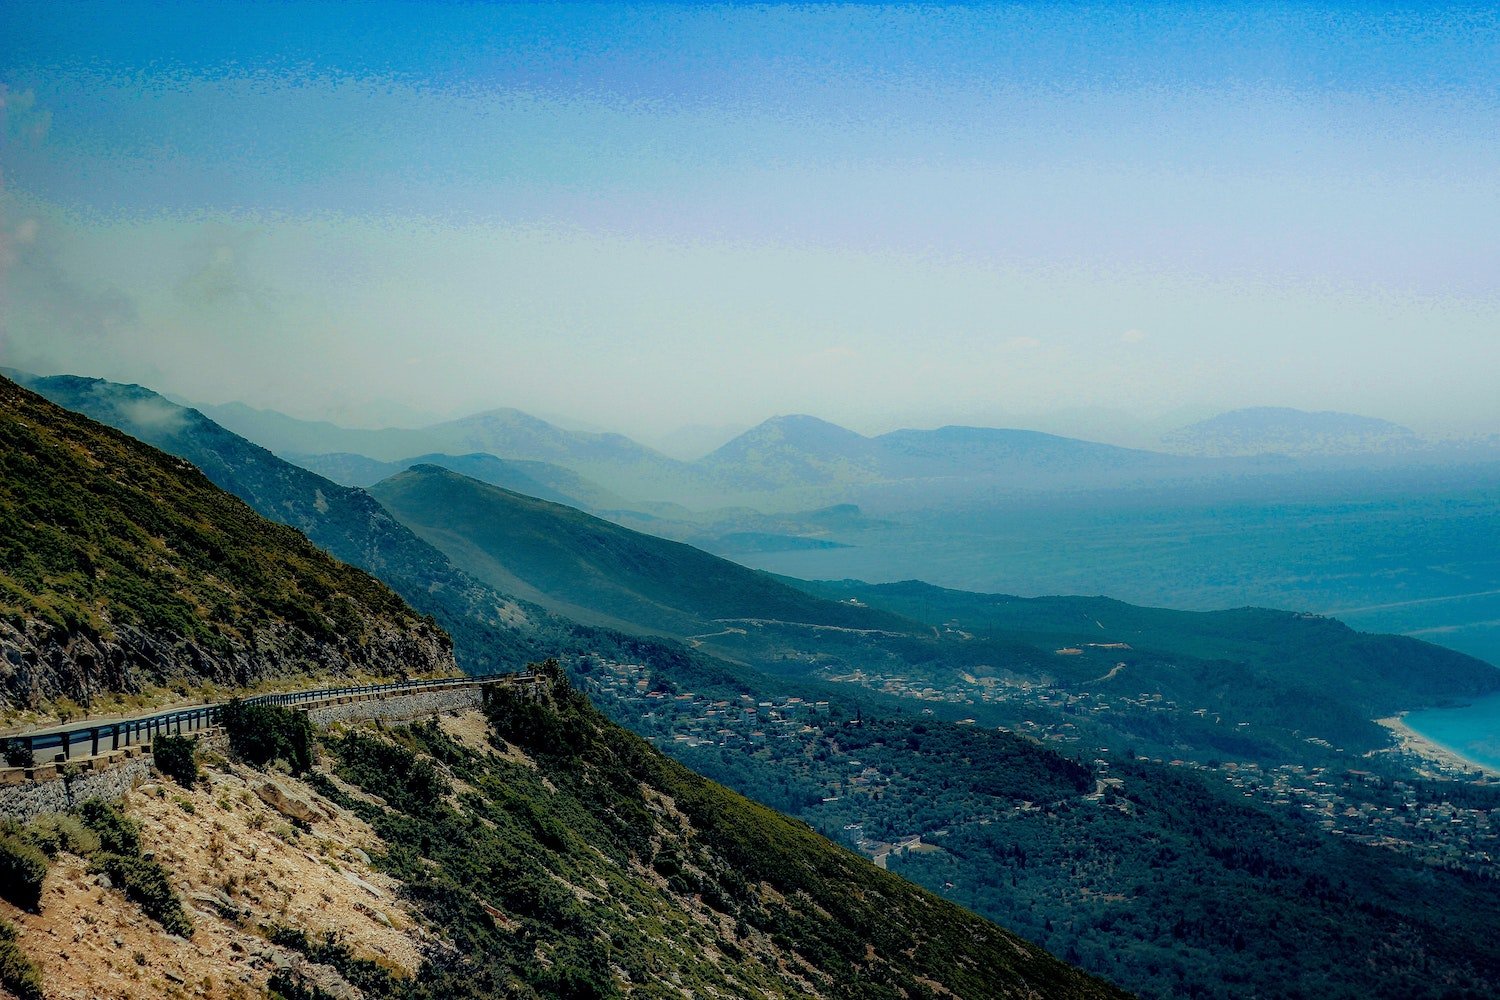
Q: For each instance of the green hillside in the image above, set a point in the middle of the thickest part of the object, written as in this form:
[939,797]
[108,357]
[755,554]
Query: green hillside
[1279,669]
[535,479]
[596,571]
[1167,880]
[122,567]
[490,631]
[619,872]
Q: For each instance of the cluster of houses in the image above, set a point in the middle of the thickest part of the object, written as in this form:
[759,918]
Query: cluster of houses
[698,720]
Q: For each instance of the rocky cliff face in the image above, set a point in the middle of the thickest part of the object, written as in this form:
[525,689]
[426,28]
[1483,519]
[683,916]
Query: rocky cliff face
[40,663]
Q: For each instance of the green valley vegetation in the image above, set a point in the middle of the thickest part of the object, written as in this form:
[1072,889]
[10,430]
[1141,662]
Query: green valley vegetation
[1250,682]
[595,571]
[1166,880]
[594,866]
[121,566]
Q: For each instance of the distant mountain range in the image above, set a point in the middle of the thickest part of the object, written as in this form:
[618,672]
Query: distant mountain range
[1277,430]
[784,464]
[799,462]
[614,460]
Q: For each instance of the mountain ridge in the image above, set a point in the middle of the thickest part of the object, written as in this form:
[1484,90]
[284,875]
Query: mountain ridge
[574,562]
[123,568]
[346,522]
[1267,430]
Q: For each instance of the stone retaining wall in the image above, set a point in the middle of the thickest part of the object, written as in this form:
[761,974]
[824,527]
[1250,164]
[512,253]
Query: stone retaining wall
[55,788]
[403,708]
[26,794]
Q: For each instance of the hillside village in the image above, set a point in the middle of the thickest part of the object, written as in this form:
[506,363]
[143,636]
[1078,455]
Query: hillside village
[1353,802]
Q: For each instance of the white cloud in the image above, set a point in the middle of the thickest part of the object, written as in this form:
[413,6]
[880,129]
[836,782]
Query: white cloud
[1132,336]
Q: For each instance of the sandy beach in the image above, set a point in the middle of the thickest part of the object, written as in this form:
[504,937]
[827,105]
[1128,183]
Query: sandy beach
[1444,761]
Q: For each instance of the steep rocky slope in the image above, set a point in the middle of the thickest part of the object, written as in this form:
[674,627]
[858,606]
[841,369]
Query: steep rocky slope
[123,569]
[529,850]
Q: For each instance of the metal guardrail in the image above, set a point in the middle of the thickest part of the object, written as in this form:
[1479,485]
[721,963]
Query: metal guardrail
[128,732]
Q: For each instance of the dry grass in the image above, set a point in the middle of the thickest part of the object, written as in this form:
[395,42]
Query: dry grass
[90,942]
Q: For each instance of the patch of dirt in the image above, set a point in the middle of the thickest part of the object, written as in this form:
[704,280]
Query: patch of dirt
[240,868]
[469,729]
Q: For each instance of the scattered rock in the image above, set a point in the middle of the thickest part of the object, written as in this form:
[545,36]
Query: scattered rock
[356,880]
[216,901]
[360,856]
[327,979]
[290,807]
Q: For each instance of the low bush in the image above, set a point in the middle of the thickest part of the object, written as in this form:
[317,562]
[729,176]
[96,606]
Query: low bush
[22,868]
[115,831]
[259,734]
[58,832]
[16,754]
[285,984]
[144,882]
[17,974]
[176,757]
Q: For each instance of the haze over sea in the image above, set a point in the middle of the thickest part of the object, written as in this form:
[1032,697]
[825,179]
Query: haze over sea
[1405,562]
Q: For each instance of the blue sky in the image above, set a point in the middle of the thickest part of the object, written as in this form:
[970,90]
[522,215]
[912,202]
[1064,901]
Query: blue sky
[641,217]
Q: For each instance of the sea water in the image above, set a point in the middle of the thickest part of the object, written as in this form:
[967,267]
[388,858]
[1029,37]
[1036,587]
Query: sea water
[1471,731]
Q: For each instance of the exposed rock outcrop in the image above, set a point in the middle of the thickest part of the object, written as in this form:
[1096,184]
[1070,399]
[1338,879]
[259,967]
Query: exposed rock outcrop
[40,662]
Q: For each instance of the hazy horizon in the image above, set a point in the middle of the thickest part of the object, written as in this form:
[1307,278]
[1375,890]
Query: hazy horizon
[677,221]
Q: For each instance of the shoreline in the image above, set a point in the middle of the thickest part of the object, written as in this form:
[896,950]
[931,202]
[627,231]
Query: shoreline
[1445,759]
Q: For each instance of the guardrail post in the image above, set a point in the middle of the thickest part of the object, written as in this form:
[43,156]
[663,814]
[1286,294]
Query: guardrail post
[114,736]
[67,745]
[94,742]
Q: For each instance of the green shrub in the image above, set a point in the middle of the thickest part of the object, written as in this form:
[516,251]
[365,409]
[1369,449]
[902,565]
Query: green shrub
[58,832]
[115,831]
[16,754]
[144,882]
[175,756]
[285,984]
[17,974]
[22,868]
[259,734]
